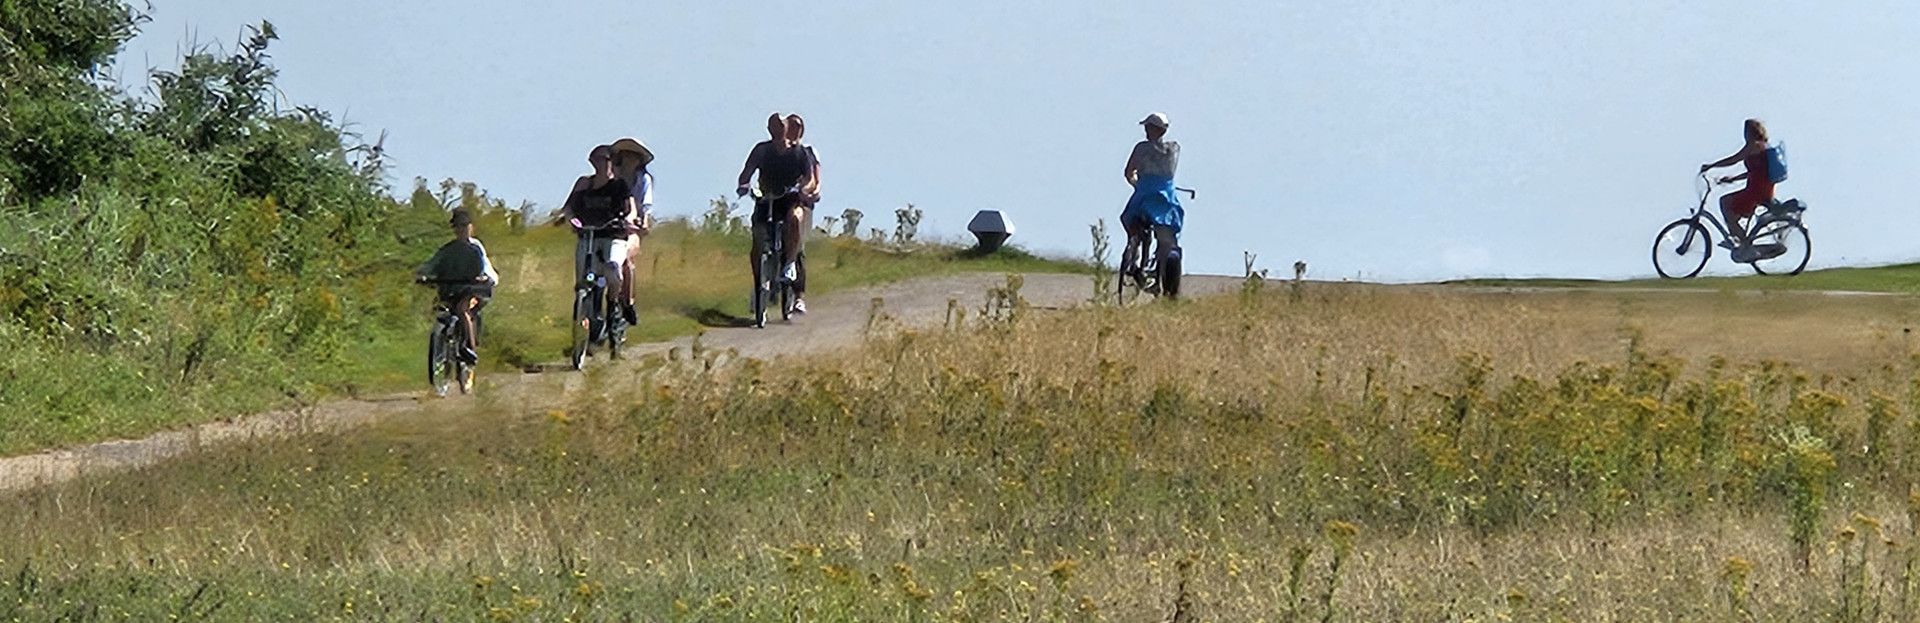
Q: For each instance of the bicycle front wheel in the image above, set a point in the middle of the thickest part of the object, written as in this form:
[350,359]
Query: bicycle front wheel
[1682,249]
[440,364]
[582,334]
[1794,249]
[616,327]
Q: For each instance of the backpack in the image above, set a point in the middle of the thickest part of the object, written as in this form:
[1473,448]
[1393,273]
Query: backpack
[1777,163]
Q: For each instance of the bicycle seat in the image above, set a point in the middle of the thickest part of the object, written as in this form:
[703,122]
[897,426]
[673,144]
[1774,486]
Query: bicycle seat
[1790,205]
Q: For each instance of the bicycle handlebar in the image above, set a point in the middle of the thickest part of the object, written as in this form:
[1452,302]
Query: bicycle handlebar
[579,226]
[431,281]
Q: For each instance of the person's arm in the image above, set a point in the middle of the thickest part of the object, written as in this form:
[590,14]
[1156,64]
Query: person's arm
[431,269]
[1746,151]
[1132,172]
[746,171]
[813,186]
[643,200]
[486,264]
[573,199]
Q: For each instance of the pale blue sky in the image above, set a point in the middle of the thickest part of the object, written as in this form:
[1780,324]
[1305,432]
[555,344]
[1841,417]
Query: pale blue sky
[1392,139]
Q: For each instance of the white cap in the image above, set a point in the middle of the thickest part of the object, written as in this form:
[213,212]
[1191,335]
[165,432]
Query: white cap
[1158,120]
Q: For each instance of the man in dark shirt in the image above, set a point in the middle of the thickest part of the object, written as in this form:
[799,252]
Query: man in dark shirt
[784,170]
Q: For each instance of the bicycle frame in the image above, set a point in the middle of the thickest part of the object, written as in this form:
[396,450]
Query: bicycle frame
[773,255]
[1760,220]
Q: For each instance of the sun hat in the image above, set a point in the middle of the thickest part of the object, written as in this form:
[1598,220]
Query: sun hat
[1158,120]
[636,147]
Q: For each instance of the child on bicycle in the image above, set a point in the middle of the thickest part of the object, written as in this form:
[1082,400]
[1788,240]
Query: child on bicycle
[466,278]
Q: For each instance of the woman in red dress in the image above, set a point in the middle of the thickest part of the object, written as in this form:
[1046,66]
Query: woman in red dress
[1741,204]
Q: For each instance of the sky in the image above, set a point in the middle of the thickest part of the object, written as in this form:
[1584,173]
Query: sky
[1391,140]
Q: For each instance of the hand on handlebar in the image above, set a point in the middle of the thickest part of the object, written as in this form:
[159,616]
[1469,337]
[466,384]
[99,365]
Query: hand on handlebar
[741,191]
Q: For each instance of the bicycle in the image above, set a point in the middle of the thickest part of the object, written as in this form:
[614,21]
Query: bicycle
[596,317]
[1779,244]
[1153,276]
[773,253]
[444,341]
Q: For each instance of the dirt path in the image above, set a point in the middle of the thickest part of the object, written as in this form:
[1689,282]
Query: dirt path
[838,320]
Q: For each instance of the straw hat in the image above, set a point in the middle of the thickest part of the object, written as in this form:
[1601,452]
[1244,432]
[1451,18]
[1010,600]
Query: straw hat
[636,147]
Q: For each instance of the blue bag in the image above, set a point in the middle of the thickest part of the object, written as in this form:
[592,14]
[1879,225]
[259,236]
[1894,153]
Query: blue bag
[1777,163]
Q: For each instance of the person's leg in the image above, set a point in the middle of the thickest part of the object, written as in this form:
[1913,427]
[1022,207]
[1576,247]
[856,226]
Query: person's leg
[1735,206]
[614,252]
[1130,254]
[463,311]
[800,255]
[626,278]
[1163,245]
[796,232]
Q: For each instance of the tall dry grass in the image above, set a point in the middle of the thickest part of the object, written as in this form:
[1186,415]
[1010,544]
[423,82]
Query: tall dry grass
[1350,454]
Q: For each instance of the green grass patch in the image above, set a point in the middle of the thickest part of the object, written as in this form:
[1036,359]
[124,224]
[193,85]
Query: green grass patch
[1894,278]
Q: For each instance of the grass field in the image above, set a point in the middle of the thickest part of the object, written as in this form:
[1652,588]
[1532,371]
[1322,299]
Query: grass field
[1899,278]
[687,275]
[1336,453]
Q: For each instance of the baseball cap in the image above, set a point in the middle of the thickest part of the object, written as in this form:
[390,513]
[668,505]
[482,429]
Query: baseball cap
[461,217]
[1158,120]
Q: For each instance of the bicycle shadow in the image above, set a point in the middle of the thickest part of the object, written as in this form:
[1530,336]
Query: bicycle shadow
[714,318]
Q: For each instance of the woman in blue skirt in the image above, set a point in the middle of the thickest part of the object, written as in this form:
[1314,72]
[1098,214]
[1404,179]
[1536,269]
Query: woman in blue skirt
[1154,209]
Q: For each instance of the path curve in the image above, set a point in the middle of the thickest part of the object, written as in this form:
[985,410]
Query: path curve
[839,320]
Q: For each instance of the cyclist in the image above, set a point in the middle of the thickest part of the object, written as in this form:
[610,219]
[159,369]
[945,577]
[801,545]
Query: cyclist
[1154,206]
[781,165]
[809,197]
[1741,204]
[467,278]
[630,160]
[601,200]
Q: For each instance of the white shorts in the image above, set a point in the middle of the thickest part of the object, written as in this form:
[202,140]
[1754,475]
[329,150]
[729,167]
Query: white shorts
[605,257]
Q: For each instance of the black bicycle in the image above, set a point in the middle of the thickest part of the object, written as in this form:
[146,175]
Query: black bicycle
[1158,271]
[1778,244]
[597,318]
[769,284]
[445,339]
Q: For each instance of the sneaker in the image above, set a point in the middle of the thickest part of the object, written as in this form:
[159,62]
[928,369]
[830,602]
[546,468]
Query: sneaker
[789,273]
[799,306]
[467,356]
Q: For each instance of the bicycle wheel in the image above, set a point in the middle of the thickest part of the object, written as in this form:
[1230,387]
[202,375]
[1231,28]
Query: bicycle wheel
[1170,275]
[1796,248]
[763,274]
[1682,249]
[440,360]
[616,328]
[462,371]
[582,333]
